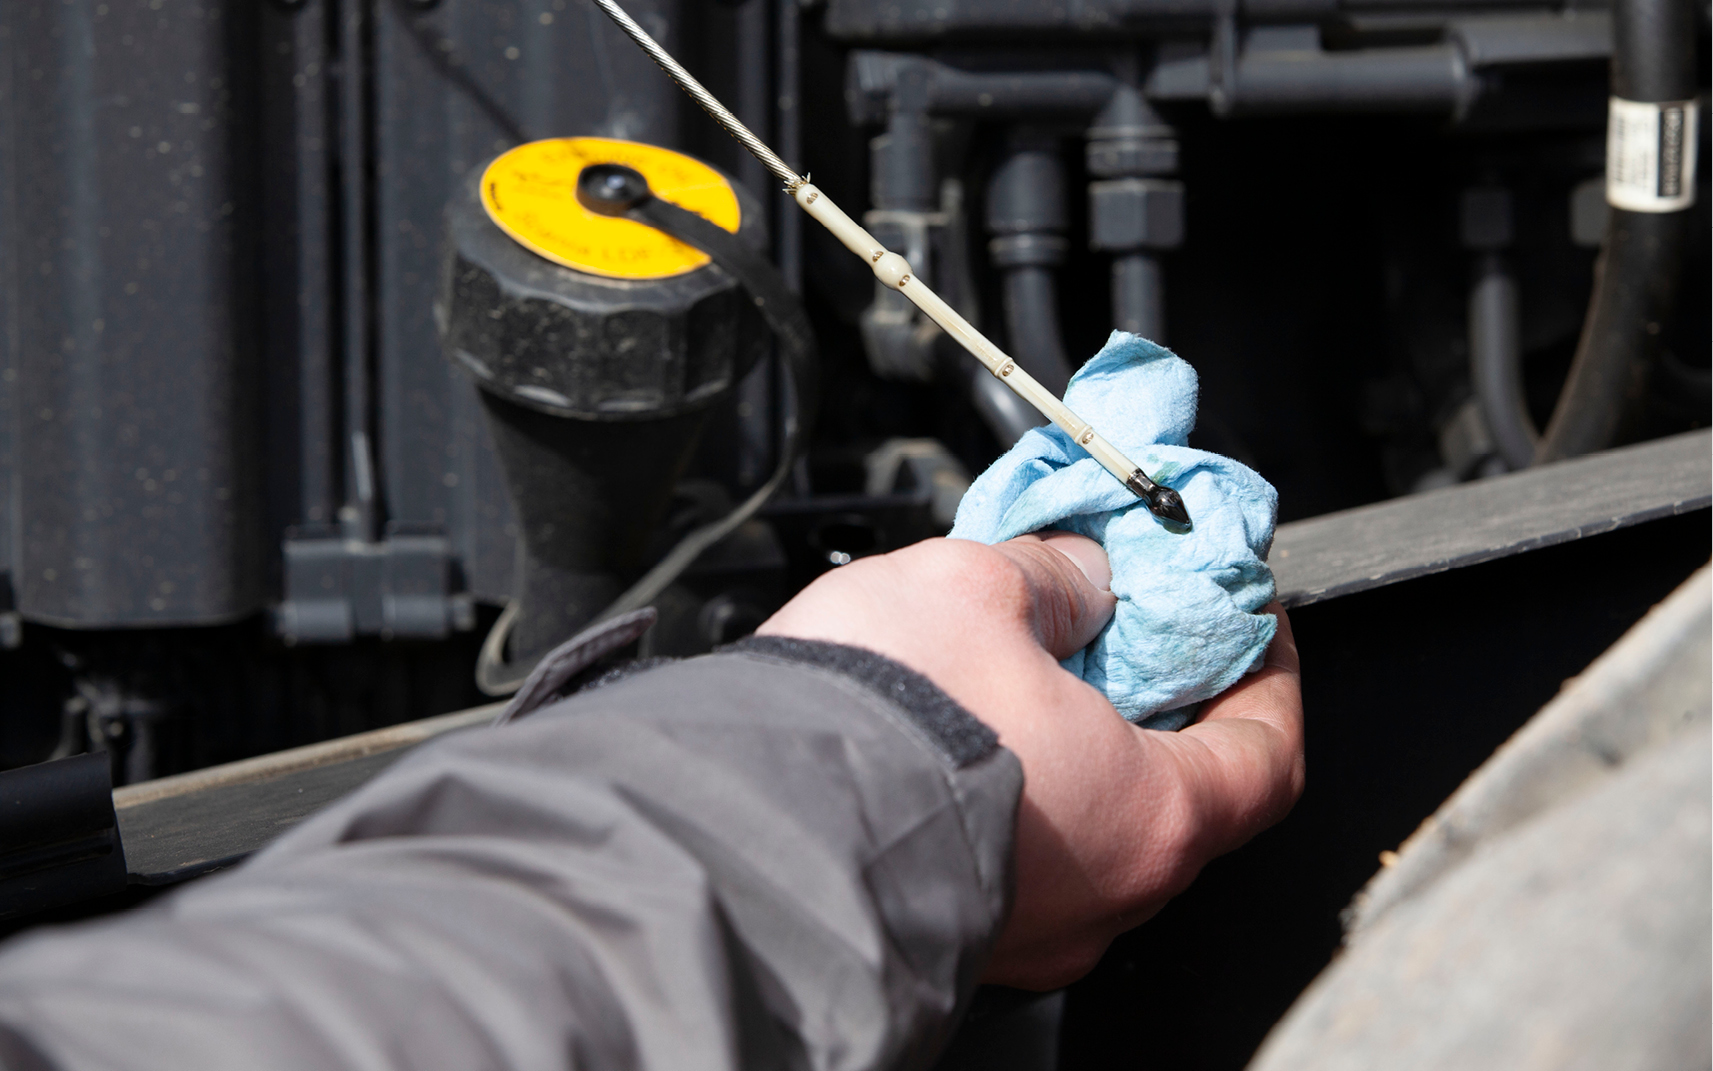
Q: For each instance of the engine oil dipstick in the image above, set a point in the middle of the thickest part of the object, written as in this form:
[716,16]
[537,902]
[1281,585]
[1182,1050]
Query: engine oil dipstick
[894,271]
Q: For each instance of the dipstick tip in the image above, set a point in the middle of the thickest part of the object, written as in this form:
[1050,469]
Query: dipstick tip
[1163,502]
[1168,505]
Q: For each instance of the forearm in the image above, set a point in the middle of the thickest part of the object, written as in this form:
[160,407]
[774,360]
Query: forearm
[718,863]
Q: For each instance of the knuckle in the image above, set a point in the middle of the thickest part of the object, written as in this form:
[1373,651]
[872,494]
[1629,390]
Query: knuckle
[1077,960]
[1296,777]
[1184,840]
[1183,807]
[979,571]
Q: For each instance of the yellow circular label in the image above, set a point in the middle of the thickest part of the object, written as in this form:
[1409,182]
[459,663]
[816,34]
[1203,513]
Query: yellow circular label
[531,194]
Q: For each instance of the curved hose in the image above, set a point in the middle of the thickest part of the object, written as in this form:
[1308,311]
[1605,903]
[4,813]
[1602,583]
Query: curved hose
[1496,361]
[1006,414]
[1032,324]
[1138,295]
[1635,279]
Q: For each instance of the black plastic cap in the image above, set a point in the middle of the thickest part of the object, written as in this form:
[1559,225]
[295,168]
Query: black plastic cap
[611,189]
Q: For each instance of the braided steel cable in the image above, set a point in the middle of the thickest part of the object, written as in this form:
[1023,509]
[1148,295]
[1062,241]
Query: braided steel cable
[687,82]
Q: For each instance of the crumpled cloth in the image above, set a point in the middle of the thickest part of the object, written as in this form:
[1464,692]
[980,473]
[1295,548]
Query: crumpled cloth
[1186,627]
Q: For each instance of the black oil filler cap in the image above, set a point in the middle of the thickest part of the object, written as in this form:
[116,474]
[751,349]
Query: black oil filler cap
[586,314]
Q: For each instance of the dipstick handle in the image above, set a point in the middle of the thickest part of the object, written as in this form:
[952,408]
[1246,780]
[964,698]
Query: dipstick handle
[894,271]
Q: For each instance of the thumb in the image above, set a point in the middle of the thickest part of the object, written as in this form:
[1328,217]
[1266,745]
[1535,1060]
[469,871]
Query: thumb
[1069,581]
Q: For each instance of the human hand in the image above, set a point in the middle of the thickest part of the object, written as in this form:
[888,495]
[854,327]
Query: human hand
[1115,820]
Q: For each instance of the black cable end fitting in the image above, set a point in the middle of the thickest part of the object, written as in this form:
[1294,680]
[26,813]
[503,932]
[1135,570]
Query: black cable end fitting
[1163,502]
[611,189]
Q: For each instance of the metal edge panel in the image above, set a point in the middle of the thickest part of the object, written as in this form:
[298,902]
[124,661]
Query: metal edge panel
[1370,546]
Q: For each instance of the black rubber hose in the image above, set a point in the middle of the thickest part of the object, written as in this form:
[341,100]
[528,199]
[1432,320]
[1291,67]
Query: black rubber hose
[1635,279]
[1032,325]
[1138,296]
[1496,361]
[1026,215]
[1008,415]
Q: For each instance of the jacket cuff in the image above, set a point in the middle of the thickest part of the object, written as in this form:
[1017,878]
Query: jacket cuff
[959,736]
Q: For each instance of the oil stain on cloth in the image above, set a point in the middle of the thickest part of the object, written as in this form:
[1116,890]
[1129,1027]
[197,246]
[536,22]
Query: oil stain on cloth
[1187,625]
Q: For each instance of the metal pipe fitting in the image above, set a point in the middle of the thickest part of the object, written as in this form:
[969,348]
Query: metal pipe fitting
[1131,214]
[874,79]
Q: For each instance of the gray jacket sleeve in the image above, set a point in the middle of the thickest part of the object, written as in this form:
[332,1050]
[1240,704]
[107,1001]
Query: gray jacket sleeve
[784,855]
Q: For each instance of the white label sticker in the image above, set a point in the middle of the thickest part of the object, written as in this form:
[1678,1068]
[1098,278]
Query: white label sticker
[1650,155]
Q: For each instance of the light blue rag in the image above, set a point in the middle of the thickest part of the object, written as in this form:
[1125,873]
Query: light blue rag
[1186,627]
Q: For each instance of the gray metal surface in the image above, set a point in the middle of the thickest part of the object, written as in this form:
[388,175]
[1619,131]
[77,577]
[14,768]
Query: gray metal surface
[1354,550]
[129,363]
[300,202]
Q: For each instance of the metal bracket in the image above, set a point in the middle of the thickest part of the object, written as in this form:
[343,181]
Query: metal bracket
[397,588]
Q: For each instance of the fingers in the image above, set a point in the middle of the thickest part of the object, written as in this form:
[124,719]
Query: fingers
[1085,553]
[1068,583]
[1252,697]
[1244,758]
